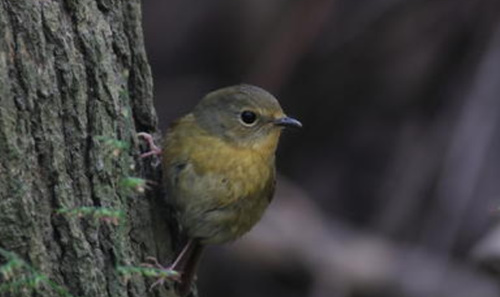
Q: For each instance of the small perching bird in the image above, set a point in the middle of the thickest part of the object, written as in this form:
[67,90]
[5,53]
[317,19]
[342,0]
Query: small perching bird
[219,168]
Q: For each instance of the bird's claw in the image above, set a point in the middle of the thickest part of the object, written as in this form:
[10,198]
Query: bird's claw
[153,148]
[153,263]
[163,273]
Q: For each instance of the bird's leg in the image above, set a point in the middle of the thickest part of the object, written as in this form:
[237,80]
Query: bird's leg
[184,256]
[171,272]
[182,270]
[153,148]
[166,273]
[187,264]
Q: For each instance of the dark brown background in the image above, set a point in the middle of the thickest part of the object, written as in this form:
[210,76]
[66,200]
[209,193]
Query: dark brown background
[398,156]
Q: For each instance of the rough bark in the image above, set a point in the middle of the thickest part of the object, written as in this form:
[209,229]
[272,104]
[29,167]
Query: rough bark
[75,86]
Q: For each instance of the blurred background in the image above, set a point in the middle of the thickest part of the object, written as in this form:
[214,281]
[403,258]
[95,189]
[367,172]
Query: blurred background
[392,186]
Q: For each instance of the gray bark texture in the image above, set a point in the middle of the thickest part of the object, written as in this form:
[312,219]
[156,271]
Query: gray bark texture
[75,87]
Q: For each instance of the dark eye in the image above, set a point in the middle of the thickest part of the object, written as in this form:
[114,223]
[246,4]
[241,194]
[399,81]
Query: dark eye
[248,117]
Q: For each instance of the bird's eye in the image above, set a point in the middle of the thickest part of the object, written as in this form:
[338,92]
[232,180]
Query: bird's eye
[248,118]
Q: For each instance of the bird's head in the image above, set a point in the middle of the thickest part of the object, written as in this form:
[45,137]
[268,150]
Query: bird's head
[243,115]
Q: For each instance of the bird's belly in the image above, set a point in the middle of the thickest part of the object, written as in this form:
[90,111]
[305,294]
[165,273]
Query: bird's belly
[220,201]
[228,222]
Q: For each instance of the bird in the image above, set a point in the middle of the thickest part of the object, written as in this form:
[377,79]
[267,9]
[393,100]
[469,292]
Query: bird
[219,169]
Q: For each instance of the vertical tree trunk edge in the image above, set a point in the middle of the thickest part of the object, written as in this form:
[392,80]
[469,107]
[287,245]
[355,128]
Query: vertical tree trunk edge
[78,212]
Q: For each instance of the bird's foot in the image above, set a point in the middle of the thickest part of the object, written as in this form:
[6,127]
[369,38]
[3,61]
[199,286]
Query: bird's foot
[153,148]
[163,273]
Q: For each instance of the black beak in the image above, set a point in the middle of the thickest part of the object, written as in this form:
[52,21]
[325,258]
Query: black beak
[287,122]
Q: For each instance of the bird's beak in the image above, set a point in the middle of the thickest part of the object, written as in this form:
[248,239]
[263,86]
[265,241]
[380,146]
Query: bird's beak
[287,122]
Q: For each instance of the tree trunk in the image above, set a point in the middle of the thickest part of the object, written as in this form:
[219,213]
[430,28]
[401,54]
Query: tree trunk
[75,86]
